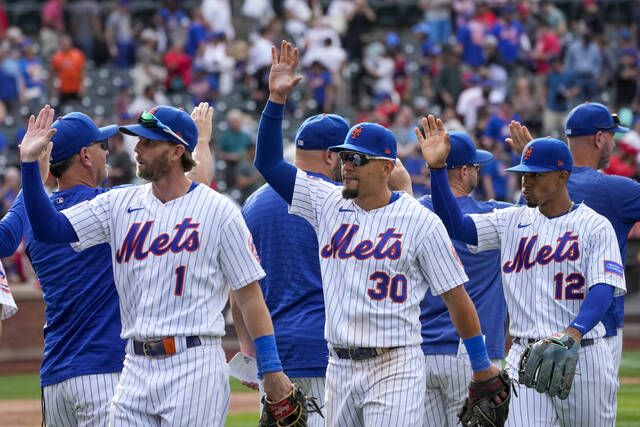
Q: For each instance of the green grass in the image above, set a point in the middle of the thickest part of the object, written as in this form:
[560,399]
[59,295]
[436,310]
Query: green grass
[248,419]
[630,364]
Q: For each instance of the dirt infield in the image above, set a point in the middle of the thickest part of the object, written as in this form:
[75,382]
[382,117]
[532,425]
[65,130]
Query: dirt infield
[23,413]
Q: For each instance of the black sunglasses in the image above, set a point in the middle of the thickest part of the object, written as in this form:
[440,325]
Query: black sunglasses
[104,144]
[358,159]
[616,122]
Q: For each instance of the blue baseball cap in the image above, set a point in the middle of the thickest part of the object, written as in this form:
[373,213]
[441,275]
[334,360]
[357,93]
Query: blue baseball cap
[371,139]
[178,122]
[321,131]
[591,117]
[75,131]
[544,155]
[464,151]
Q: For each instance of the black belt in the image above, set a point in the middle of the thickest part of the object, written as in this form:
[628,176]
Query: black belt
[584,343]
[360,353]
[162,347]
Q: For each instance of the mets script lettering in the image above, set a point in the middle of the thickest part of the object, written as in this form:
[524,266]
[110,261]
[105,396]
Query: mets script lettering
[389,245]
[186,238]
[567,249]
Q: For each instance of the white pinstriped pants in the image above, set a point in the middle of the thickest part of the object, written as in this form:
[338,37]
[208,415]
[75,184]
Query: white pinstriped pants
[591,402]
[190,388]
[387,390]
[447,379]
[312,387]
[615,345]
[80,401]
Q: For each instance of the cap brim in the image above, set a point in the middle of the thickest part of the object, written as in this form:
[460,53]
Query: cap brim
[107,132]
[482,156]
[529,168]
[357,149]
[148,133]
[620,129]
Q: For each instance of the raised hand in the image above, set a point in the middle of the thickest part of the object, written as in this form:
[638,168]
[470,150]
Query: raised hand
[38,135]
[520,136]
[202,115]
[44,162]
[282,76]
[435,144]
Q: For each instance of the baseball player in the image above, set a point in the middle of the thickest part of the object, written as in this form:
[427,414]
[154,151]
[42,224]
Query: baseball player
[177,248]
[561,268]
[376,252]
[590,128]
[448,371]
[293,285]
[8,306]
[83,353]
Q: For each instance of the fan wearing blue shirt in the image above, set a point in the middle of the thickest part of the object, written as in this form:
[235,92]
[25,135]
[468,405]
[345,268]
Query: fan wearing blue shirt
[448,374]
[288,249]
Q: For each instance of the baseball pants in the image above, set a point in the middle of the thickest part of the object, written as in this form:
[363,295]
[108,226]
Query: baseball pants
[312,387]
[615,345]
[447,378]
[386,390]
[80,401]
[189,388]
[591,402]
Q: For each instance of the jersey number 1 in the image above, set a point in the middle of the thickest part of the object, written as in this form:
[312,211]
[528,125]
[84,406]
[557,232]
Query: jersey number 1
[573,288]
[180,270]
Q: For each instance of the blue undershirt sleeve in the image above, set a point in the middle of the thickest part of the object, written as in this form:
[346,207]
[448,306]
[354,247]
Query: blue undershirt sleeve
[12,227]
[47,223]
[459,226]
[593,307]
[269,152]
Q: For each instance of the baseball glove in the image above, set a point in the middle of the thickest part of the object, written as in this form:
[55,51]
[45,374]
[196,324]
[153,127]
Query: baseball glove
[290,411]
[479,408]
[549,365]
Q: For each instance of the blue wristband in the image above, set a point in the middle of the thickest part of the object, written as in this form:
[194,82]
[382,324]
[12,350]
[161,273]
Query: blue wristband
[267,355]
[477,353]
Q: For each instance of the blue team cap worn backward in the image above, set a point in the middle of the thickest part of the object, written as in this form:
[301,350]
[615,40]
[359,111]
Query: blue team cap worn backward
[321,131]
[371,139]
[591,117]
[464,151]
[179,121]
[75,131]
[544,155]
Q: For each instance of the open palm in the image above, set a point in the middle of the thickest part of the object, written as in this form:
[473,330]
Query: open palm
[38,136]
[435,143]
[282,76]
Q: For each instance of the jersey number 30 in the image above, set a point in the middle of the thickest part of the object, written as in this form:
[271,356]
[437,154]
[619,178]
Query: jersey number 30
[573,288]
[393,287]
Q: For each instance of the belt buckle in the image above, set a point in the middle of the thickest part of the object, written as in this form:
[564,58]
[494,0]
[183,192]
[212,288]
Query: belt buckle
[145,349]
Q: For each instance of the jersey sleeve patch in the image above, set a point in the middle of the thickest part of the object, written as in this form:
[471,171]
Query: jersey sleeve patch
[613,268]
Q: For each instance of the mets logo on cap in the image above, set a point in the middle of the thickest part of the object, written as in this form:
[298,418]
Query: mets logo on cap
[356,132]
[527,153]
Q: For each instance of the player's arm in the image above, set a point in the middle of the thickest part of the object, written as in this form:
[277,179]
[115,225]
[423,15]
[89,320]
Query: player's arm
[435,149]
[244,339]
[465,319]
[47,223]
[269,149]
[257,320]
[202,115]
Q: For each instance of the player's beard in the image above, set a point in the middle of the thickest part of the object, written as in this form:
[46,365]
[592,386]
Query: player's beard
[156,169]
[348,193]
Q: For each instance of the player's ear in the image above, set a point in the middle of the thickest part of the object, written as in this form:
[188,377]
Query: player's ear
[178,151]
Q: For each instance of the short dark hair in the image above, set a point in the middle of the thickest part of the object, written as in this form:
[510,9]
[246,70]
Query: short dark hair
[187,161]
[59,168]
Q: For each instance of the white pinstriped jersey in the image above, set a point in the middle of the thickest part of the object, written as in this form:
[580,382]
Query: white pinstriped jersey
[8,306]
[549,264]
[173,262]
[377,265]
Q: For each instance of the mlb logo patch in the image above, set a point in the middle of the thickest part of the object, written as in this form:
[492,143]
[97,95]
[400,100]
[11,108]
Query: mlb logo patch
[301,143]
[60,200]
[613,268]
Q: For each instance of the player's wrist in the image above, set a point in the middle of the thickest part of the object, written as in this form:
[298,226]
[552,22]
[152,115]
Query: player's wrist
[267,355]
[278,98]
[574,332]
[478,355]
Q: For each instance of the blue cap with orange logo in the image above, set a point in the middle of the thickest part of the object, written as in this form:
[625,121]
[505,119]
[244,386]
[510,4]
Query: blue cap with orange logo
[371,139]
[544,155]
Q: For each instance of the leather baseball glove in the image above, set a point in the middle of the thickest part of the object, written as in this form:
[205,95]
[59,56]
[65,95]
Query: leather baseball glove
[549,365]
[479,408]
[290,411]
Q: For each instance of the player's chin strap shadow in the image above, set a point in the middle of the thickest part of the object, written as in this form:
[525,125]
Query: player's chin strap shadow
[312,406]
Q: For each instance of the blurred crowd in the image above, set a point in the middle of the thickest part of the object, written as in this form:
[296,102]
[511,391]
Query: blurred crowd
[476,64]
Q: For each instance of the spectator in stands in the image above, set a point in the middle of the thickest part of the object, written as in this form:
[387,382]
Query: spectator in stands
[437,17]
[119,35]
[417,168]
[68,66]
[33,74]
[121,167]
[212,57]
[175,22]
[546,47]
[9,81]
[553,17]
[527,104]
[148,69]
[4,20]
[247,178]
[337,14]
[319,83]
[359,22]
[204,87]
[472,98]
[496,183]
[9,188]
[584,60]
[623,161]
[333,58]
[559,89]
[471,39]
[448,82]
[259,63]
[149,98]
[380,68]
[178,65]
[52,25]
[626,78]
[217,15]
[403,128]
[86,25]
[509,33]
[233,145]
[198,29]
